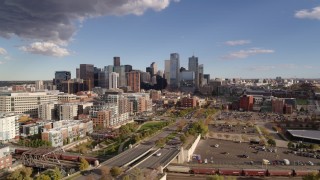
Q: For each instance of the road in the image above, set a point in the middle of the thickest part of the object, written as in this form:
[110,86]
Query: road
[155,161]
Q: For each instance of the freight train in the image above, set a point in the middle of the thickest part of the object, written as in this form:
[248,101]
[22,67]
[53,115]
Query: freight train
[239,172]
[65,157]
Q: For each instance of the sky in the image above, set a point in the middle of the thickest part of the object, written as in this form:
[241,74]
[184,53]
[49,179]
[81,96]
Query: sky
[232,38]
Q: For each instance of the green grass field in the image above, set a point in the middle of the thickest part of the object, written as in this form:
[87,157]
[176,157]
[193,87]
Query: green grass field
[152,125]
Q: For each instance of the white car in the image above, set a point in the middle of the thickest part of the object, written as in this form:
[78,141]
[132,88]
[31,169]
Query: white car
[310,163]
[216,145]
[158,154]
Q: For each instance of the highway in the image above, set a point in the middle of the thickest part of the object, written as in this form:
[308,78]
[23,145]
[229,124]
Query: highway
[154,161]
[128,156]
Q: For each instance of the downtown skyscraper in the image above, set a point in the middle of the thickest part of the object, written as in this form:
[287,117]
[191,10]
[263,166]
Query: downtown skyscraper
[194,66]
[174,70]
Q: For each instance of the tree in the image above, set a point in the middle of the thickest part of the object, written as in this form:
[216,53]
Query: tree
[43,177]
[312,176]
[115,171]
[271,142]
[83,164]
[183,138]
[105,171]
[215,177]
[56,175]
[21,173]
[126,177]
[290,145]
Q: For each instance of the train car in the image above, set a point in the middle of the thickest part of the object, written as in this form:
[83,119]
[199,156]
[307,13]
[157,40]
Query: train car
[69,157]
[209,171]
[254,172]
[280,173]
[304,172]
[179,169]
[230,172]
[20,151]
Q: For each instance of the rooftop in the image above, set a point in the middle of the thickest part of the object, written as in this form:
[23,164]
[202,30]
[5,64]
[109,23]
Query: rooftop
[309,134]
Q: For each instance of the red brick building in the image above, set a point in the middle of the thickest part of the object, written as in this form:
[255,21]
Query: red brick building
[246,103]
[278,106]
[189,102]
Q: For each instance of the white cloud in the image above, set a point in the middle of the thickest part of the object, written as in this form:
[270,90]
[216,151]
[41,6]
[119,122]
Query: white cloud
[3,51]
[46,48]
[261,68]
[57,20]
[237,42]
[242,54]
[308,14]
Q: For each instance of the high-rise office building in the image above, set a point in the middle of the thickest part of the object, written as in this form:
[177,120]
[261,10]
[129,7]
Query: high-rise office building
[122,75]
[206,78]
[78,73]
[134,80]
[174,70]
[87,74]
[127,68]
[113,80]
[167,70]
[154,68]
[96,72]
[200,75]
[60,76]
[116,61]
[39,85]
[194,66]
[149,70]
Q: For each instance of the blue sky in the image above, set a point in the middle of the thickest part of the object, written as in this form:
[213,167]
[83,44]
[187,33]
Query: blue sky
[232,38]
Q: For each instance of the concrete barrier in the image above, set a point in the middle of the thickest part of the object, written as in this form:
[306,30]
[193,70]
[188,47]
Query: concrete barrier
[186,154]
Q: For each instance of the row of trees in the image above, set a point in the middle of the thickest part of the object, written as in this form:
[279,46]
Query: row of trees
[34,143]
[292,145]
[25,173]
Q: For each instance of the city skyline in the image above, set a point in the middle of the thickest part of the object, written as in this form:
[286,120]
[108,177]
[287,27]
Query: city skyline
[246,39]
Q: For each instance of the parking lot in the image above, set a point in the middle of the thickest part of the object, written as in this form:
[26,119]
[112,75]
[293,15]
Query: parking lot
[228,155]
[233,128]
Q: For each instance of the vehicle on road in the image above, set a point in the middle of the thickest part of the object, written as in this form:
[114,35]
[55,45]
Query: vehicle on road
[286,162]
[265,161]
[158,154]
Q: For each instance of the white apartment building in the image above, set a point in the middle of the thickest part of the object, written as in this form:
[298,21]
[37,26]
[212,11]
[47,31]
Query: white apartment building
[46,111]
[39,85]
[67,111]
[9,126]
[25,103]
[113,80]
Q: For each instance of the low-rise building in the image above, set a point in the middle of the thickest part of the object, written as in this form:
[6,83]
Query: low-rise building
[189,102]
[5,157]
[9,126]
[66,130]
